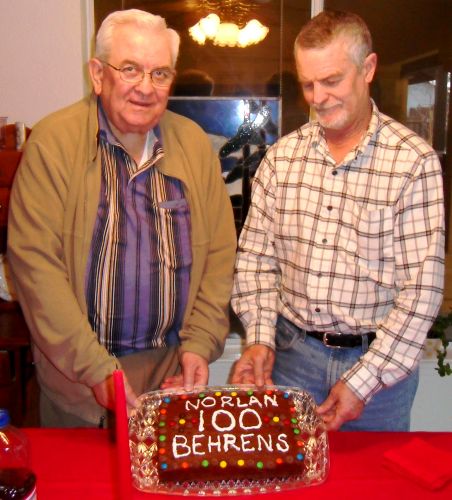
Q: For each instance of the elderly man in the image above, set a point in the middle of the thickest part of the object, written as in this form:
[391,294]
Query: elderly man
[121,233]
[339,273]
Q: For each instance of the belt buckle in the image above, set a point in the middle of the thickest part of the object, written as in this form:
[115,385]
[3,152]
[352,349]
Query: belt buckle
[326,344]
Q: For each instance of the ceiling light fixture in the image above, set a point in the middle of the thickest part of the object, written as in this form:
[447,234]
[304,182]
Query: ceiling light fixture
[225,25]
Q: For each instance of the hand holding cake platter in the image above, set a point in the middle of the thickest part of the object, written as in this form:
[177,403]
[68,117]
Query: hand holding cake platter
[227,440]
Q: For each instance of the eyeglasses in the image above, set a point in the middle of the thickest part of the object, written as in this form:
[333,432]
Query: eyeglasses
[160,77]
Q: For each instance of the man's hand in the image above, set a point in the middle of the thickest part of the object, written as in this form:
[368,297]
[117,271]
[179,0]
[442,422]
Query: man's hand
[255,366]
[104,392]
[340,406]
[195,371]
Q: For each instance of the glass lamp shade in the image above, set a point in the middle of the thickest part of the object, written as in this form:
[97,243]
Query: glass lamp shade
[253,32]
[197,33]
[209,25]
[227,35]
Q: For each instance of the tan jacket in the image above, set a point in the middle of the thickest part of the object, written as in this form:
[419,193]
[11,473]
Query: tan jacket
[52,212]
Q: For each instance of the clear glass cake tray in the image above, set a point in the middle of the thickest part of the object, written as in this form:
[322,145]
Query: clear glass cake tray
[239,418]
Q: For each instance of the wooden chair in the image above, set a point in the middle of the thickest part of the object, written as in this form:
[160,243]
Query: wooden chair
[10,136]
[15,355]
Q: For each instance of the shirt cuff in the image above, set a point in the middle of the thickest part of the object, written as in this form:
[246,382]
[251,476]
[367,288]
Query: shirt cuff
[262,337]
[362,382]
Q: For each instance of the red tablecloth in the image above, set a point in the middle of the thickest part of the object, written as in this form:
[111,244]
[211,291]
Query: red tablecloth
[81,464]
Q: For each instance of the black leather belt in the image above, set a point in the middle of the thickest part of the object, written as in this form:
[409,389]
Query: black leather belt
[345,340]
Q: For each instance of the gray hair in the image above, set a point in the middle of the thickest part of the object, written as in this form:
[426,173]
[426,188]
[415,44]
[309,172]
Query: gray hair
[330,25]
[155,24]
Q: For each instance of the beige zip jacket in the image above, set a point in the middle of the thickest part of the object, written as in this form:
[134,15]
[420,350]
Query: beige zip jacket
[52,211]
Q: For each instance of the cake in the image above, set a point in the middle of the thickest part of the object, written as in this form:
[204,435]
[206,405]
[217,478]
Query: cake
[227,440]
[223,434]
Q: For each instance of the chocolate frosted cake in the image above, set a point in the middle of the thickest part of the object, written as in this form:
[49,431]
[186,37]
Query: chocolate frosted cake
[229,434]
[226,435]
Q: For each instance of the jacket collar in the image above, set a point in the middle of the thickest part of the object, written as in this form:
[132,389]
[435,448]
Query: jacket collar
[93,126]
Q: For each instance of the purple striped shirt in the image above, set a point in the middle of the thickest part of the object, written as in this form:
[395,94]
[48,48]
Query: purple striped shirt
[139,266]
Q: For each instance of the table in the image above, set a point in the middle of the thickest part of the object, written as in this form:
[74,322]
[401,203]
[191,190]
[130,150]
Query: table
[81,464]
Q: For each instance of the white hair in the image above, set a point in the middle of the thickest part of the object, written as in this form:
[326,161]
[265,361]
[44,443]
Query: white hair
[155,24]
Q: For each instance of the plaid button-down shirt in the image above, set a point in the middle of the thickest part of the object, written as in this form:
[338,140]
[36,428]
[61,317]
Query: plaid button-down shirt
[348,248]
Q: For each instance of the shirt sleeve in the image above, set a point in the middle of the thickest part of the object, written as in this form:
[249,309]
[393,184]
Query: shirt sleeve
[419,252]
[257,274]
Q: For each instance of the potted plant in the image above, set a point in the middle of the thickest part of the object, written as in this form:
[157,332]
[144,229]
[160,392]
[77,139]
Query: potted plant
[439,331]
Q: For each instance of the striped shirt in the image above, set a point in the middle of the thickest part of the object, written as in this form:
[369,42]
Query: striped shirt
[346,248]
[139,266]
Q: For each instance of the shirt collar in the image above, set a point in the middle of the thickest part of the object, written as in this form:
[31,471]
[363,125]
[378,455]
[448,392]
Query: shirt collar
[372,129]
[153,146]
[319,141]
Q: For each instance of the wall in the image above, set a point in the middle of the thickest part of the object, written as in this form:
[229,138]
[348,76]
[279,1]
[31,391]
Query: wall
[43,49]
[432,407]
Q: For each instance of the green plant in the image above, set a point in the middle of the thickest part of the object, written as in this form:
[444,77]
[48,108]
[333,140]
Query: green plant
[438,330]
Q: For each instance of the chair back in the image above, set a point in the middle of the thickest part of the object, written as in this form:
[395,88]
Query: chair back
[10,136]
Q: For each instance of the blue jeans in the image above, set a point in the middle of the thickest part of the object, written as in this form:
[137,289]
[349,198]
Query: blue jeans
[304,362]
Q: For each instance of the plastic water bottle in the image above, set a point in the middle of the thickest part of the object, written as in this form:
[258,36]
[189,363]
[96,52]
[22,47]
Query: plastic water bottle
[17,481]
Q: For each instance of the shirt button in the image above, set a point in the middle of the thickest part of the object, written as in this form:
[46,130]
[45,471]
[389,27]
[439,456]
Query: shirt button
[334,172]
[324,240]
[329,207]
[317,309]
[319,275]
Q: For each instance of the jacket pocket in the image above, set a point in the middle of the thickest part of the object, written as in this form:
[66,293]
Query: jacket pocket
[173,218]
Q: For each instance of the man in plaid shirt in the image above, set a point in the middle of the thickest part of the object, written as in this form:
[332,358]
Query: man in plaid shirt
[340,268]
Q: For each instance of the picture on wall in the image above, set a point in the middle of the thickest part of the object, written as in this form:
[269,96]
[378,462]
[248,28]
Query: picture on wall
[241,130]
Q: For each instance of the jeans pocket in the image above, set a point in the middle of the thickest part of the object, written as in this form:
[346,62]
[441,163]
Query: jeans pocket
[287,334]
